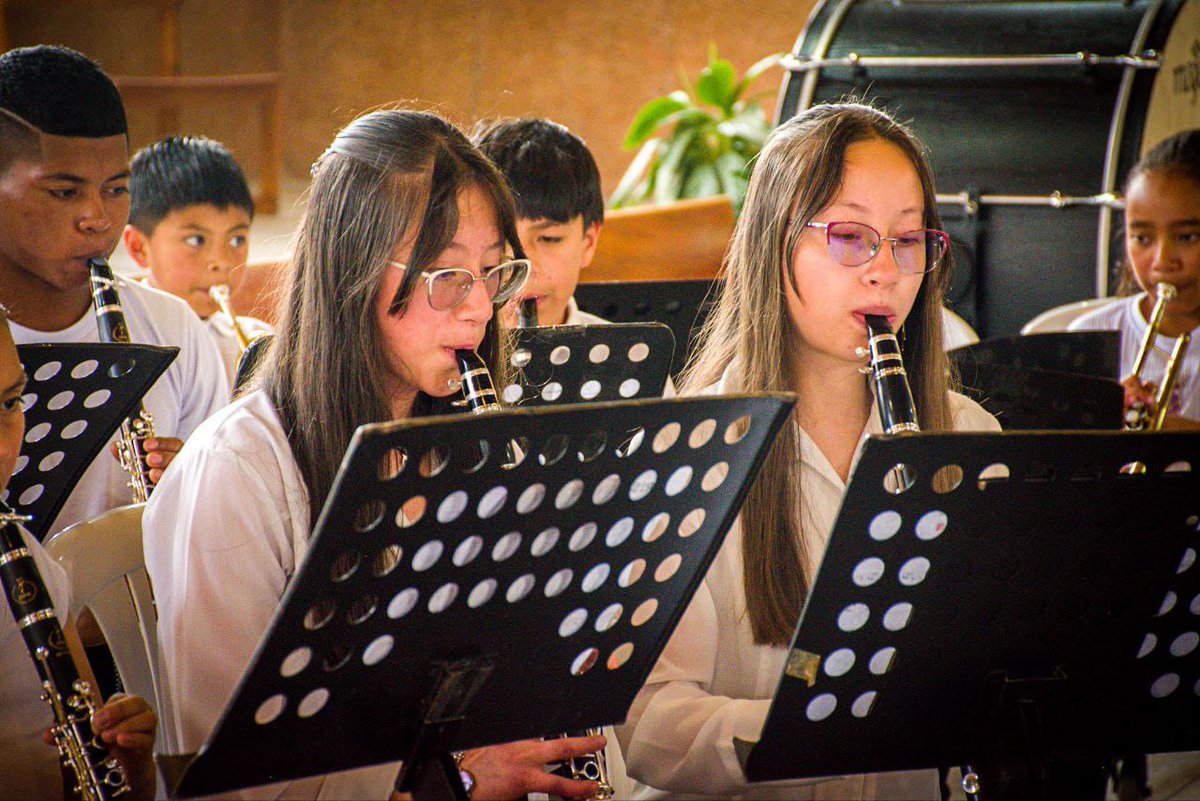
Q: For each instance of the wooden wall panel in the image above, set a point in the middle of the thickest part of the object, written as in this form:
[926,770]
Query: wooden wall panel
[588,65]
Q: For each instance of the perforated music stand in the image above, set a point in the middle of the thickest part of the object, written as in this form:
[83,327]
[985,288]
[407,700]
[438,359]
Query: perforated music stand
[449,601]
[1031,621]
[683,305]
[1094,353]
[589,363]
[1027,398]
[76,398]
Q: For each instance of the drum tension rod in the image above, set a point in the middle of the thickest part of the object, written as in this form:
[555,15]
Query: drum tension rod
[1147,59]
[970,203]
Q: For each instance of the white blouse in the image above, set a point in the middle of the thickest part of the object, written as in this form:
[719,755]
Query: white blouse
[713,683]
[224,532]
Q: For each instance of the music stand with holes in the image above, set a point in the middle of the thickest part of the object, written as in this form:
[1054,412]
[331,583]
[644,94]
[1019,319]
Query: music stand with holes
[683,305]
[76,397]
[1024,399]
[589,363]
[1033,626]
[452,599]
[1093,353]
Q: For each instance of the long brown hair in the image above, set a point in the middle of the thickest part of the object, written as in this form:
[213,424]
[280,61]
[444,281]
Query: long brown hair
[387,175]
[797,174]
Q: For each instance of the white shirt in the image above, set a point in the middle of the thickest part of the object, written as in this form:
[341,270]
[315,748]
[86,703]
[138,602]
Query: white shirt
[1125,315]
[713,683]
[227,342]
[577,317]
[28,767]
[224,533]
[191,389]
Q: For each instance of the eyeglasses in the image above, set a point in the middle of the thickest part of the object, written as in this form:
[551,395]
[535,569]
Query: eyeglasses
[852,244]
[450,286]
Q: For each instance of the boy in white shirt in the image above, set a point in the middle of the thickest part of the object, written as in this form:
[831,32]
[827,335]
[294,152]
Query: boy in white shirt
[560,208]
[64,199]
[189,225]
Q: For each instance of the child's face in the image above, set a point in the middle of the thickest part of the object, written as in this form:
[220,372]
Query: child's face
[558,252]
[1162,236]
[193,249]
[57,213]
[12,415]
[419,341]
[880,188]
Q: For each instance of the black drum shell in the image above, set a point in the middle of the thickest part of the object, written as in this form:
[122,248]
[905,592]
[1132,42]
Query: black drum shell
[1003,130]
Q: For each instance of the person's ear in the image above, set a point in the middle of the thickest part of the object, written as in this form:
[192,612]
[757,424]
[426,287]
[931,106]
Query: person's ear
[591,240]
[138,245]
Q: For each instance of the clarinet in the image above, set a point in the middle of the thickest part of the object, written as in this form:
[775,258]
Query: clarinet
[897,412]
[139,426]
[99,775]
[480,394]
[527,313]
[898,415]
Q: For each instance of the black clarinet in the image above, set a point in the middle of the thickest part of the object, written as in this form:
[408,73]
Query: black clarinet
[480,395]
[139,426]
[898,415]
[897,412]
[527,313]
[97,772]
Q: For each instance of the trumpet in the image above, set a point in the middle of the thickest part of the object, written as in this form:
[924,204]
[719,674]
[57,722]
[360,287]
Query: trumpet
[591,767]
[99,775]
[1138,416]
[139,426]
[220,296]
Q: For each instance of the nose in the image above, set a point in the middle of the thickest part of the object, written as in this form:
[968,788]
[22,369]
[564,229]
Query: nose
[477,306]
[1165,255]
[883,270]
[95,219]
[220,262]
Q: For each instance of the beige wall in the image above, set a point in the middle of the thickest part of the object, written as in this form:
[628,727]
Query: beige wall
[589,65]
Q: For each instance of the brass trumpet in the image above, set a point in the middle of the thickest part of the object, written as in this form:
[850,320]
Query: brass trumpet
[220,295]
[1138,417]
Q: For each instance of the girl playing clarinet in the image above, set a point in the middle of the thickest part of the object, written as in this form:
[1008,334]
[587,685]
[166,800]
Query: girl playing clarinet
[407,247]
[840,223]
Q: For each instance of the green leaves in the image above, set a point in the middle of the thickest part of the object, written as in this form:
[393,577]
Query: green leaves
[713,133]
[655,113]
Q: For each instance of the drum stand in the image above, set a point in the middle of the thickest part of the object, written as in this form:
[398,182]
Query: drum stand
[1021,608]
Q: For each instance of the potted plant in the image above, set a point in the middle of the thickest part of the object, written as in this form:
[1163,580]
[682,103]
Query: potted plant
[696,141]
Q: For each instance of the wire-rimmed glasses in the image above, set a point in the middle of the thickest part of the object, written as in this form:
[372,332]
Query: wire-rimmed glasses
[449,287]
[853,243]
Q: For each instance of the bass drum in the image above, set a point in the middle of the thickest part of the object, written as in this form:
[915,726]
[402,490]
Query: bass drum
[1033,113]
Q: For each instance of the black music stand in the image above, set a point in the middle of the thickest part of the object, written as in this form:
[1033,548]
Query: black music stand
[683,305]
[589,363]
[1027,625]
[1094,353]
[248,361]
[77,396]
[1028,398]
[442,586]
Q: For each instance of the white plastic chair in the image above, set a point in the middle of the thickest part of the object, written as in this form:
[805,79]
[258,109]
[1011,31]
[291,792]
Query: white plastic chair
[956,332]
[103,559]
[1058,318]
